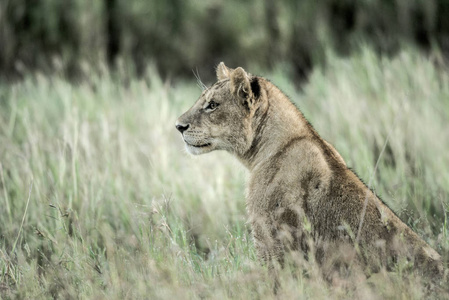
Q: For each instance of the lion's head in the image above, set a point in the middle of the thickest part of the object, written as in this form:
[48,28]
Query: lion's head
[221,118]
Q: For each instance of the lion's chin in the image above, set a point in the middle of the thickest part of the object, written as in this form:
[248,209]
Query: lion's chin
[200,149]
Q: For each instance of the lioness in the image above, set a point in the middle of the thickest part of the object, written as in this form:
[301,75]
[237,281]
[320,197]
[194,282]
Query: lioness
[301,195]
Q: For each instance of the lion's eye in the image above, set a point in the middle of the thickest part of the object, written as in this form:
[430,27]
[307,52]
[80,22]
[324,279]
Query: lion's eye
[212,105]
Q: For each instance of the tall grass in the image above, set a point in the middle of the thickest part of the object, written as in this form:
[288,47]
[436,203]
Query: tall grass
[113,207]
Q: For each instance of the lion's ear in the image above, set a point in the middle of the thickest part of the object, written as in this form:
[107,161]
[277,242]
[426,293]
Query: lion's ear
[240,85]
[223,72]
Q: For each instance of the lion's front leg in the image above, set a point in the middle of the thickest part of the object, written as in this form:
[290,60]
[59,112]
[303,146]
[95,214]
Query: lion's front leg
[268,246]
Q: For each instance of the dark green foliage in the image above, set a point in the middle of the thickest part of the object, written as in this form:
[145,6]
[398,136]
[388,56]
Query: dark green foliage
[179,36]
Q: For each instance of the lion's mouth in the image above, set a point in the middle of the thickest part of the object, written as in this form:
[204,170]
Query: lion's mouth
[199,146]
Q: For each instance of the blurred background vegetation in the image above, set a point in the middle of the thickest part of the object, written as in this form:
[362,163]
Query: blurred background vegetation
[179,36]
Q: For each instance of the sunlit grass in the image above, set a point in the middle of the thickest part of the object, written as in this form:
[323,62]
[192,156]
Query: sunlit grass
[118,209]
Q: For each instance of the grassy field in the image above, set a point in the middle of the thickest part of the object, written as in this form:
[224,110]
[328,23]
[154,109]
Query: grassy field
[99,200]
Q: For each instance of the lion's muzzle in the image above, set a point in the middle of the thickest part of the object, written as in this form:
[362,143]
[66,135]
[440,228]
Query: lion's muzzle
[181,127]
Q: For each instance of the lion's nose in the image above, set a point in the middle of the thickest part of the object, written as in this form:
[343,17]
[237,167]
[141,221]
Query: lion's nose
[182,127]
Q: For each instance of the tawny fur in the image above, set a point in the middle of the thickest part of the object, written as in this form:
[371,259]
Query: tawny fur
[297,178]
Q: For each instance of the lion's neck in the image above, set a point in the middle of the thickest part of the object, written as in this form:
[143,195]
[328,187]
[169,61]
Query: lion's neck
[275,124]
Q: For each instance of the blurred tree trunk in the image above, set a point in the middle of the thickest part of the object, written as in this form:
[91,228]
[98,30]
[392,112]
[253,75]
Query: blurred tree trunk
[303,41]
[23,31]
[7,40]
[342,19]
[271,13]
[112,32]
[442,26]
[68,44]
